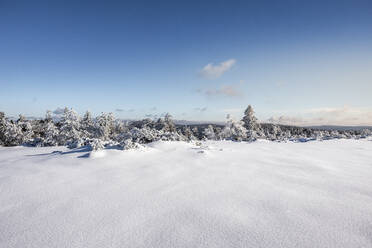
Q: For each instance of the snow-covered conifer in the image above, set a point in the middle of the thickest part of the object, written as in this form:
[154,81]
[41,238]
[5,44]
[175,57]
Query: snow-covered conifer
[105,126]
[189,135]
[25,126]
[69,128]
[2,128]
[209,133]
[87,126]
[234,130]
[169,124]
[251,124]
[143,135]
[13,134]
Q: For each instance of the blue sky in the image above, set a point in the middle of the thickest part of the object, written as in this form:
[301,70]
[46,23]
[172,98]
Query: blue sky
[306,62]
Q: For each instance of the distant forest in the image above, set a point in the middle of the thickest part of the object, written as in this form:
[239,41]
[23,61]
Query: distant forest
[103,131]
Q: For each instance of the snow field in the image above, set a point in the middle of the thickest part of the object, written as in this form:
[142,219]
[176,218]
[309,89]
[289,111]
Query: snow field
[177,194]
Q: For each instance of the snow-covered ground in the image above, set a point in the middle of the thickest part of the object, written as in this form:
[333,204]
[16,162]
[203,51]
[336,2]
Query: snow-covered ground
[176,194]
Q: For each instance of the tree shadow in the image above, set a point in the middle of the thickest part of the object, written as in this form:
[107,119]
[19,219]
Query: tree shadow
[83,149]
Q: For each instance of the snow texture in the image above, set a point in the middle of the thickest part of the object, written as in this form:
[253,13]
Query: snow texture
[178,194]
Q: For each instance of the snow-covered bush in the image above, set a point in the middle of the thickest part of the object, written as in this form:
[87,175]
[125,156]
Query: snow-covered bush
[129,144]
[95,144]
[143,135]
[173,136]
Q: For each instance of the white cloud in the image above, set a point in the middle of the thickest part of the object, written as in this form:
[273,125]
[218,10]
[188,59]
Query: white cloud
[211,71]
[124,110]
[203,109]
[225,90]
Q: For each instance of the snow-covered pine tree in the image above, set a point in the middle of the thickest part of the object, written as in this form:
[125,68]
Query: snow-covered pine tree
[70,129]
[105,126]
[2,128]
[198,134]
[234,130]
[143,135]
[87,126]
[50,131]
[251,124]
[277,132]
[120,127]
[26,127]
[167,127]
[159,125]
[169,124]
[186,131]
[366,133]
[13,134]
[209,133]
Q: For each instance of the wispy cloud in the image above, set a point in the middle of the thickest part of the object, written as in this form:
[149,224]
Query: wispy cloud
[327,116]
[211,71]
[124,110]
[203,109]
[225,90]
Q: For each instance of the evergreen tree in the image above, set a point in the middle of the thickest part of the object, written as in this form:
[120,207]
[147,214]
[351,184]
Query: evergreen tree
[234,130]
[188,133]
[209,133]
[166,124]
[50,131]
[169,124]
[105,126]
[26,128]
[87,126]
[70,129]
[2,128]
[13,134]
[251,124]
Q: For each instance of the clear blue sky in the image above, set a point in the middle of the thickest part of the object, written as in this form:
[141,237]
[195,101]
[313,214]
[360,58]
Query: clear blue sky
[197,60]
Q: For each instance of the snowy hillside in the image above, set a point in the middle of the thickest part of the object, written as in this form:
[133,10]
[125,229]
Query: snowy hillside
[178,194]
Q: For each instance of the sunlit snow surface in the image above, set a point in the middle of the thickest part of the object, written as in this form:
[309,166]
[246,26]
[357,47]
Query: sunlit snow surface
[175,194]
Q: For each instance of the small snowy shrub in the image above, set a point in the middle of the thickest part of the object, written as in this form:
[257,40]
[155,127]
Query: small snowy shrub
[129,144]
[95,144]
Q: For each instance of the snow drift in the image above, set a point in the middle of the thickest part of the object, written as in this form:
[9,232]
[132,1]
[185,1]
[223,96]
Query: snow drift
[177,194]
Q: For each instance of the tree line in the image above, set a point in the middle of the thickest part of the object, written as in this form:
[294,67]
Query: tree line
[107,131]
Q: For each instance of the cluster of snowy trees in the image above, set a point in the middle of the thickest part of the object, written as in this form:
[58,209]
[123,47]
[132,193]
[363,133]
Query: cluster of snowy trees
[104,130]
